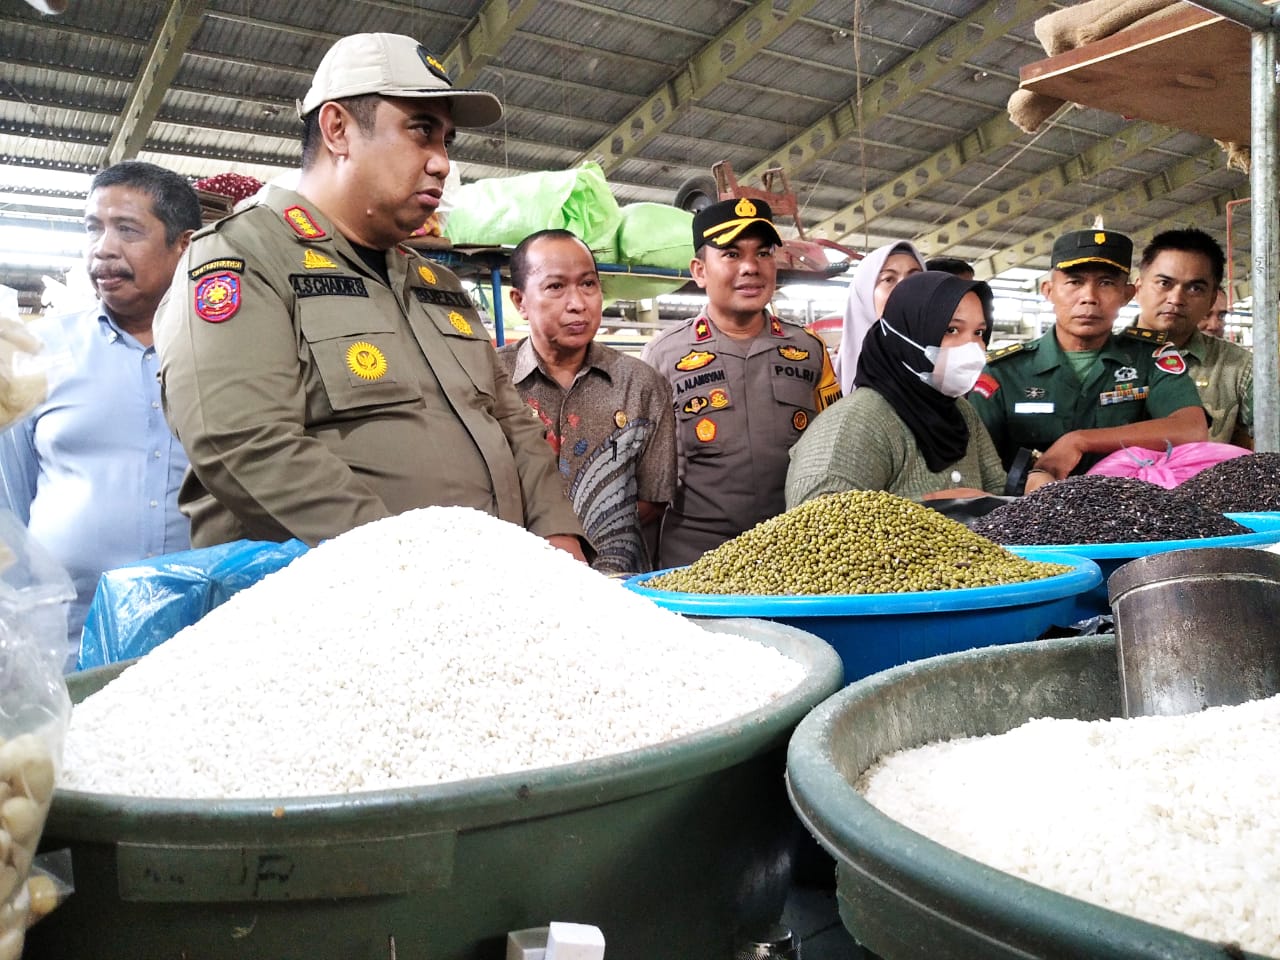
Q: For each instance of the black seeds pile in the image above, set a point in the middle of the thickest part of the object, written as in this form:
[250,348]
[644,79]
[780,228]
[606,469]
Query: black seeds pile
[1241,485]
[1096,509]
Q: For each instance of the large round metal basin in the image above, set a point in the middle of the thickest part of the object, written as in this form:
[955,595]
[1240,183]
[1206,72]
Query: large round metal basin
[668,850]
[905,897]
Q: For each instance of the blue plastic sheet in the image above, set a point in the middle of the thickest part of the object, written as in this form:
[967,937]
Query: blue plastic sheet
[139,606]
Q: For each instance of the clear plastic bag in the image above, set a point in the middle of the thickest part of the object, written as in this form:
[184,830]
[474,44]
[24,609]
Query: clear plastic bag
[29,370]
[34,713]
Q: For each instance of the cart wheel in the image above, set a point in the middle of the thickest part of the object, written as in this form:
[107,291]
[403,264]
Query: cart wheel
[696,193]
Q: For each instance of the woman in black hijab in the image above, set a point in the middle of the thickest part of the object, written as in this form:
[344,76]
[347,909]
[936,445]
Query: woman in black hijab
[910,432]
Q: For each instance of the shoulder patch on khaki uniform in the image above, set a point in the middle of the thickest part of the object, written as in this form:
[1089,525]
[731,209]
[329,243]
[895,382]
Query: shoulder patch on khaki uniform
[1009,351]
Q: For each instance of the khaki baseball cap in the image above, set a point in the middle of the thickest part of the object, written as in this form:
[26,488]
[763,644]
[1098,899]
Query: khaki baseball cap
[393,65]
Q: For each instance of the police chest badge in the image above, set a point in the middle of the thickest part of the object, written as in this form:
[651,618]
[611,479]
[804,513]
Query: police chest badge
[705,430]
[217,296]
[694,360]
[793,353]
[459,323]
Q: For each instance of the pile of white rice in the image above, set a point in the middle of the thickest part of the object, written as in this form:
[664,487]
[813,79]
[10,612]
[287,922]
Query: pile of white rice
[1175,820]
[439,645]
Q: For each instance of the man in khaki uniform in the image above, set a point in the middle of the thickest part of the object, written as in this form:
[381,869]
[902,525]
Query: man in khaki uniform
[1179,279]
[745,385]
[319,374]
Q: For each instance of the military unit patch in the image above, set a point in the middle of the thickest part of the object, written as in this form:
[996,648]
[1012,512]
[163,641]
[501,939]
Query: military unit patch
[705,430]
[986,386]
[793,353]
[719,399]
[694,360]
[209,266]
[800,420]
[696,405]
[366,361]
[1170,360]
[217,297]
[303,224]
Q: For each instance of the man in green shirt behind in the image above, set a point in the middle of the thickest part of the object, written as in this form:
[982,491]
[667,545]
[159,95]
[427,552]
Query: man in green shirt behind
[1081,391]
[1179,277]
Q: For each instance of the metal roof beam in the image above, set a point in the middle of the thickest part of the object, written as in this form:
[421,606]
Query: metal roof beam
[495,23]
[997,132]
[171,39]
[1102,156]
[754,30]
[945,52]
[1034,250]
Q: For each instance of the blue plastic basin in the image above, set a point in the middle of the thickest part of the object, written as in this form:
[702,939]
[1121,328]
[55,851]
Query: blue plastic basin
[872,632]
[1110,556]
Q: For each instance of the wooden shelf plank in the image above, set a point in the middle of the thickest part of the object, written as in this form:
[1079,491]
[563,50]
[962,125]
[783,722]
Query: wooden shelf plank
[1189,71]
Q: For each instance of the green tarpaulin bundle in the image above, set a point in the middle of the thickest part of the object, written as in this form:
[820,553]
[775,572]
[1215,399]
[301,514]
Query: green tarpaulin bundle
[505,210]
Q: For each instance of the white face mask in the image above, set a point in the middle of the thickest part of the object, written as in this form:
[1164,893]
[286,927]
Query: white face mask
[955,369]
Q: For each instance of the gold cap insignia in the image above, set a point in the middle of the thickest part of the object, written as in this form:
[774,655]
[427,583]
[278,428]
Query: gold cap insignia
[620,418]
[745,208]
[366,361]
[1099,238]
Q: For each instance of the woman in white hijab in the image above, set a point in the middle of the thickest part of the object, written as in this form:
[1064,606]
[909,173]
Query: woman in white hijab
[876,275]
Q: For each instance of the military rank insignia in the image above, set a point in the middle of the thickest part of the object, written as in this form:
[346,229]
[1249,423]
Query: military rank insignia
[217,296]
[701,330]
[303,224]
[775,327]
[694,360]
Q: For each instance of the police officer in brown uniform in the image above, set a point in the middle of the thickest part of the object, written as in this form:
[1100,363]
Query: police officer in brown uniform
[319,374]
[745,385]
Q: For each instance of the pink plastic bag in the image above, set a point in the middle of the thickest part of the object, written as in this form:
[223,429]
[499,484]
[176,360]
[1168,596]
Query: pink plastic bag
[1169,467]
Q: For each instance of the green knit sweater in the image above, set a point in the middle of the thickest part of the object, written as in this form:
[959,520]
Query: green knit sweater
[860,443]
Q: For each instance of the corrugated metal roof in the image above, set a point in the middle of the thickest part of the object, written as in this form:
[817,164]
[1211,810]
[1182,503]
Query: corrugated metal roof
[575,69]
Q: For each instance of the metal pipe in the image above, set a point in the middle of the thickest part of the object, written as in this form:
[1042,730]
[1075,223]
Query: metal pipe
[1264,182]
[1227,287]
[1249,13]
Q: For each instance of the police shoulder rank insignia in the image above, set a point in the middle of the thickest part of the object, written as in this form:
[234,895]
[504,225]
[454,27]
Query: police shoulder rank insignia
[366,361]
[217,296]
[705,430]
[719,399]
[775,325]
[793,353]
[800,419]
[317,261]
[210,266]
[427,274]
[701,330]
[695,405]
[619,418]
[459,323]
[1170,360]
[694,360]
[986,386]
[303,224]
[1003,352]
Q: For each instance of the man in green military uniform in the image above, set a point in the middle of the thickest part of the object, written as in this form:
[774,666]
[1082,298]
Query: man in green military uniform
[1179,279]
[1081,391]
[321,375]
